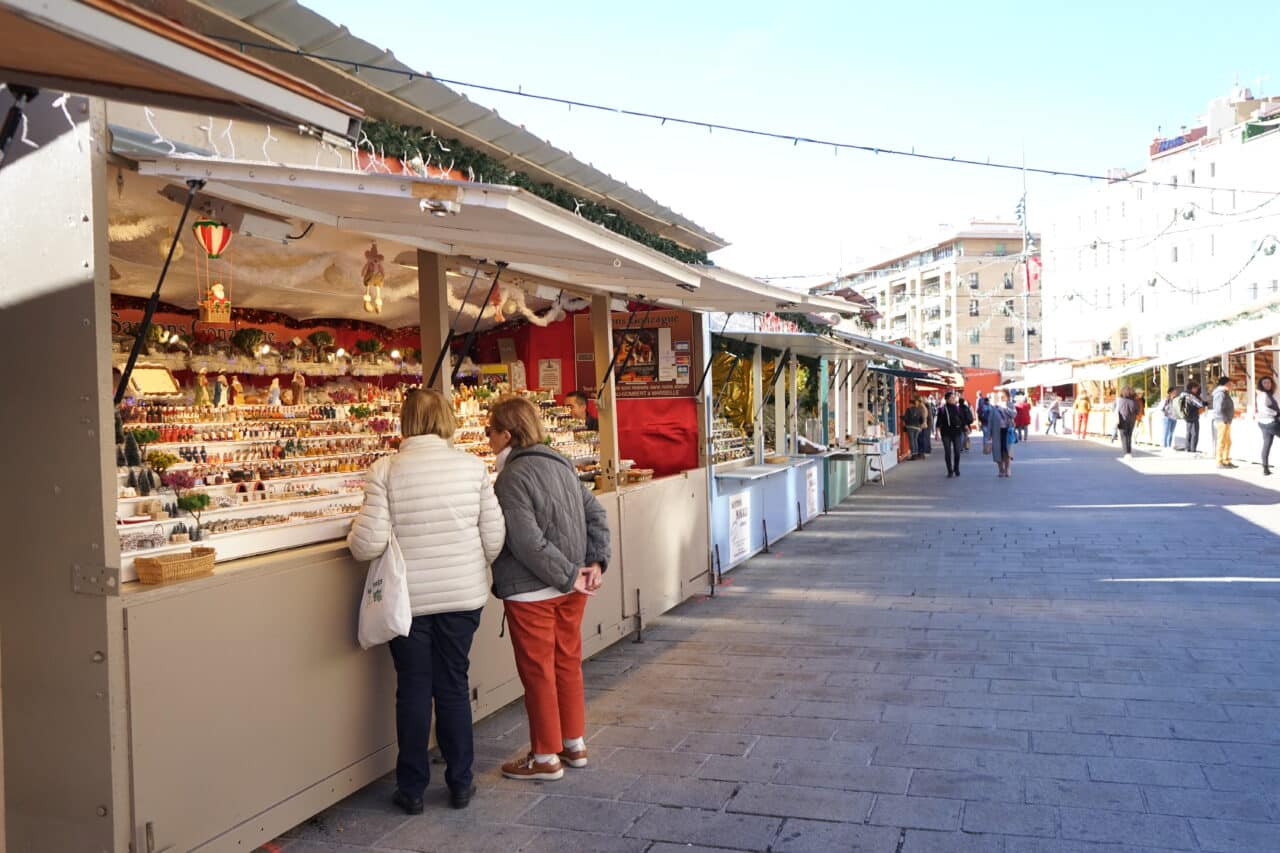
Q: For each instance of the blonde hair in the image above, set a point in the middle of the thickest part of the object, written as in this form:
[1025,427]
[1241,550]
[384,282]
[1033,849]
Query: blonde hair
[427,412]
[519,417]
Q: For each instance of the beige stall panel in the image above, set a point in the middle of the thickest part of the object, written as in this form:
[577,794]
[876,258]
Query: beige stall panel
[249,690]
[665,541]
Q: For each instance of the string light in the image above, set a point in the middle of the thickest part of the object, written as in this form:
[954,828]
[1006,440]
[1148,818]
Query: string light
[793,138]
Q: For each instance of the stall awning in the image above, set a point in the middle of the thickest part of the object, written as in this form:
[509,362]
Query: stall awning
[902,353]
[489,222]
[116,50]
[482,222]
[800,343]
[1261,324]
[902,373]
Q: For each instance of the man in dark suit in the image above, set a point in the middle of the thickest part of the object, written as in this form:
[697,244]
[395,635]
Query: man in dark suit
[952,425]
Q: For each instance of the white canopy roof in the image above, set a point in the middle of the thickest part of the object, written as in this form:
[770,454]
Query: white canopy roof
[494,223]
[800,343]
[914,356]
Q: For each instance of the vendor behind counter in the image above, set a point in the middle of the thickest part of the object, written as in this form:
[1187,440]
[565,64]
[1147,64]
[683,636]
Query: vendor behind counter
[577,403]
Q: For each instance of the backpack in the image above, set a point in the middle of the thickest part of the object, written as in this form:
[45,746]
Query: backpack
[1180,407]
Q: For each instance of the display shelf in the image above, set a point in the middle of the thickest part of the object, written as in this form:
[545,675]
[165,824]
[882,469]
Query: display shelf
[288,459]
[235,544]
[753,472]
[240,508]
[302,478]
[236,442]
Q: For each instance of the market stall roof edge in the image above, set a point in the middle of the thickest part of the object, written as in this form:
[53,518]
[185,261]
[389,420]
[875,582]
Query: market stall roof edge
[120,51]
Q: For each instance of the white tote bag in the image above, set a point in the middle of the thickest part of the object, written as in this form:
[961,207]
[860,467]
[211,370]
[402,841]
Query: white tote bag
[384,609]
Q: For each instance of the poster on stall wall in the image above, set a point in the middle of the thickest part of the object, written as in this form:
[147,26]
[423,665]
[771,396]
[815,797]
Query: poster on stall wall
[739,526]
[549,376]
[654,350]
[811,490]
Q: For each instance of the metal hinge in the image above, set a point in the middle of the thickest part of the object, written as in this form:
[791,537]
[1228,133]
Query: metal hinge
[95,580]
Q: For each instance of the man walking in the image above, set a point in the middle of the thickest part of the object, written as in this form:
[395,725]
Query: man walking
[1224,411]
[1189,407]
[913,423]
[952,427]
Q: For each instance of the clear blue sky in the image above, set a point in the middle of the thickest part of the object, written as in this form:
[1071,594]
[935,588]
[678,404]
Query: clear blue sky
[1083,88]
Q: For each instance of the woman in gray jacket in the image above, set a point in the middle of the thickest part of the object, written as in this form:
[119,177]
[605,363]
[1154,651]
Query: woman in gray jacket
[556,551]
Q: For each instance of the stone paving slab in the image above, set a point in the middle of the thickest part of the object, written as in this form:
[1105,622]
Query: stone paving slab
[938,666]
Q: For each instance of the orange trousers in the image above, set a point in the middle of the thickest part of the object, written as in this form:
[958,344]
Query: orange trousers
[547,639]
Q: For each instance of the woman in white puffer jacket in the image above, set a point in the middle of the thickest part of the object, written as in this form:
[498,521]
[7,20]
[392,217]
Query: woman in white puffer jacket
[439,502]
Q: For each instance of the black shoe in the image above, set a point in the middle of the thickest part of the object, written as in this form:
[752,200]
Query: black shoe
[462,799]
[1266,472]
[950,475]
[408,804]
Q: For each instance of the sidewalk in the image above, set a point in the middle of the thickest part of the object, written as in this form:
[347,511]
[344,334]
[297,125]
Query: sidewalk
[939,666]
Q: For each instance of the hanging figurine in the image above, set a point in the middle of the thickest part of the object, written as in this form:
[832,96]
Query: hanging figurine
[299,386]
[236,395]
[496,301]
[220,391]
[202,389]
[212,299]
[273,393]
[373,278]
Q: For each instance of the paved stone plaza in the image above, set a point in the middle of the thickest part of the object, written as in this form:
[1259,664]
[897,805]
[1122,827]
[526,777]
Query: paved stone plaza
[939,665]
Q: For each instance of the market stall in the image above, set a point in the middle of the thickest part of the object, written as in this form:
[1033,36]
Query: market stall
[268,383]
[764,483]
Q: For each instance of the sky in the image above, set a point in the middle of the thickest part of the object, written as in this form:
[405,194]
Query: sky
[1080,87]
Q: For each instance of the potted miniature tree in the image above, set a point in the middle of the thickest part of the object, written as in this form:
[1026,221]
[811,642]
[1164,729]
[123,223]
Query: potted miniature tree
[190,501]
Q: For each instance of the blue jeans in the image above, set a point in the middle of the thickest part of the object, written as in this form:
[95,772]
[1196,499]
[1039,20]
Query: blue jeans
[432,664]
[1169,426]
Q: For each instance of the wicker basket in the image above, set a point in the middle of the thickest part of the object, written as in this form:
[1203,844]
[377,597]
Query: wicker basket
[175,567]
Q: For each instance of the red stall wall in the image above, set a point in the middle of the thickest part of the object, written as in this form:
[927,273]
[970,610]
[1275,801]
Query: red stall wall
[659,433]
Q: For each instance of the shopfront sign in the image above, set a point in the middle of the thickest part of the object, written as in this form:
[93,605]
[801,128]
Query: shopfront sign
[653,350]
[811,490]
[739,526]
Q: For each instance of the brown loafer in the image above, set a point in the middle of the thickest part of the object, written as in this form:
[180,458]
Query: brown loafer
[574,757]
[527,768]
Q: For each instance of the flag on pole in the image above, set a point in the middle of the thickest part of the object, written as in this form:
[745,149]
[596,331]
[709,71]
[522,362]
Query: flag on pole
[1033,271]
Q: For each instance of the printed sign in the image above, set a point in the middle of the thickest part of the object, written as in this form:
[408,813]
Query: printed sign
[811,489]
[739,526]
[646,344]
[549,375]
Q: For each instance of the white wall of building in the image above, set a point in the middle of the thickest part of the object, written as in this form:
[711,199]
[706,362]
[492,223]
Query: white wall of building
[1135,262]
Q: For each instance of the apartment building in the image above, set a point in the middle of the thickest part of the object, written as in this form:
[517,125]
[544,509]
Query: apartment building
[1147,262]
[963,295]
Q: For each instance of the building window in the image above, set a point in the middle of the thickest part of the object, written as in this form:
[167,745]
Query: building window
[947,307]
[1253,291]
[1275,286]
[1175,182]
[1211,245]
[975,360]
[1008,363]
[975,336]
[1191,178]
[947,334]
[973,308]
[1008,334]
[1008,281]
[973,281]
[1213,170]
[1008,309]
[1175,254]
[1001,249]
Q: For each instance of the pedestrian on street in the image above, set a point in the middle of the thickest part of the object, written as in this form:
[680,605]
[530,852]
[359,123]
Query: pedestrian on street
[1055,415]
[930,424]
[440,506]
[1224,411]
[1000,420]
[1126,418]
[983,404]
[1189,406]
[1082,407]
[913,422]
[555,555]
[951,427]
[1170,417]
[1022,418]
[1268,418]
[966,414]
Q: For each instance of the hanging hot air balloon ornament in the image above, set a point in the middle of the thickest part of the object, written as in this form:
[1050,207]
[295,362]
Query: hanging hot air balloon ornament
[373,277]
[212,295]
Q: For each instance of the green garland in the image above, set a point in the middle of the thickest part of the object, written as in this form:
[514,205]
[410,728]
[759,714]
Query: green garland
[1254,314]
[406,142]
